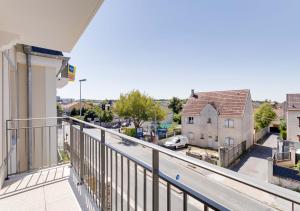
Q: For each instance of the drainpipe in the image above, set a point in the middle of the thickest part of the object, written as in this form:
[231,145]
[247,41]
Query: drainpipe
[27,51]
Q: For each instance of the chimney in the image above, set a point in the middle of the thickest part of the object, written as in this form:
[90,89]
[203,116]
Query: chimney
[192,93]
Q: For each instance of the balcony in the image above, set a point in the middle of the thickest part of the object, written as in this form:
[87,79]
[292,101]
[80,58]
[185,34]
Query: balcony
[59,163]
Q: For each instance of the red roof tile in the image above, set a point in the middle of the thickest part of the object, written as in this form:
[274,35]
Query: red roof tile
[227,103]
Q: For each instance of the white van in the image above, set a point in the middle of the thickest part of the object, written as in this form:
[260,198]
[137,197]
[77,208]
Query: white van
[176,142]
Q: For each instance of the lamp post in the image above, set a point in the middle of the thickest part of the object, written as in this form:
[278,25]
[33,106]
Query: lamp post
[81,80]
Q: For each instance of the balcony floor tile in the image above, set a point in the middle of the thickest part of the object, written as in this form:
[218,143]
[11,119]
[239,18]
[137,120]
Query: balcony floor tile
[47,189]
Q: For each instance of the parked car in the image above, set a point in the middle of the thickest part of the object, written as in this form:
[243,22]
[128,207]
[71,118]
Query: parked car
[125,124]
[176,142]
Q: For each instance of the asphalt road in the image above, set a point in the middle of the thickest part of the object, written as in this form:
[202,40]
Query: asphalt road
[197,180]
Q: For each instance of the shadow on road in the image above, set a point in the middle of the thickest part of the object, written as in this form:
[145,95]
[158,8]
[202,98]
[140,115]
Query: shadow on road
[257,151]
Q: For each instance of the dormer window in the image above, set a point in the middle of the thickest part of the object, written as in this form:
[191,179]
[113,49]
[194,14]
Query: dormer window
[229,123]
[209,121]
[190,120]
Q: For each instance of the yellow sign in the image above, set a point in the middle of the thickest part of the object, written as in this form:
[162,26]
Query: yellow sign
[71,72]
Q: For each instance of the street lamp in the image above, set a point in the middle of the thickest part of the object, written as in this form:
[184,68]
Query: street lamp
[81,80]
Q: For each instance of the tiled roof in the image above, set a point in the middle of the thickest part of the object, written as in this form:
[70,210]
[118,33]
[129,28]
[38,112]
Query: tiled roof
[293,101]
[227,103]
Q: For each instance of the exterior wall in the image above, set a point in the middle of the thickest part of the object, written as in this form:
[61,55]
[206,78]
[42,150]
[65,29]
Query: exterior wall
[13,105]
[235,132]
[5,111]
[200,126]
[293,128]
[44,143]
[248,124]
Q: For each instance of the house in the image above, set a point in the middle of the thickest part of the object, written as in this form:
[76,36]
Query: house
[292,115]
[76,105]
[219,118]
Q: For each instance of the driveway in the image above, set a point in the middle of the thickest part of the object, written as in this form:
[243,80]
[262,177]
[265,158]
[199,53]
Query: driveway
[254,163]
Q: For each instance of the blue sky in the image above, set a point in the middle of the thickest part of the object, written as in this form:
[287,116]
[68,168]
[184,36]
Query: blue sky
[166,48]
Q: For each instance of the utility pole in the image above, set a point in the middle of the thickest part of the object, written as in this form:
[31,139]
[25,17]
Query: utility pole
[81,80]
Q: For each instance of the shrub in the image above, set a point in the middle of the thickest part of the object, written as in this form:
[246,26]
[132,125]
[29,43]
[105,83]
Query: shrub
[130,132]
[283,134]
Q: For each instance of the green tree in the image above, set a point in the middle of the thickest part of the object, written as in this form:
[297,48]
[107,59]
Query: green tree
[264,115]
[106,116]
[282,129]
[74,112]
[139,108]
[175,105]
[59,110]
[177,118]
[92,113]
[282,125]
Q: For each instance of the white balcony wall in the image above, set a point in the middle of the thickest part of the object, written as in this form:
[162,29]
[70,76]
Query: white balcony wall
[43,104]
[5,109]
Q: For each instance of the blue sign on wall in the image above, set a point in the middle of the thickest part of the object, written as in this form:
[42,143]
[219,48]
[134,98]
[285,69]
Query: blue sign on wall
[161,132]
[139,132]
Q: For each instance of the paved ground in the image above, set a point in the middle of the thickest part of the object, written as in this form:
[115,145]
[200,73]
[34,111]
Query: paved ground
[44,190]
[254,163]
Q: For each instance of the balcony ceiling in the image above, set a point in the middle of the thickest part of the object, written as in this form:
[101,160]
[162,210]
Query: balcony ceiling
[55,24]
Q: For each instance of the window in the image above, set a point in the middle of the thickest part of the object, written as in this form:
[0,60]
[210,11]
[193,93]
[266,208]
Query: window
[177,141]
[190,120]
[202,136]
[229,123]
[209,121]
[299,120]
[229,141]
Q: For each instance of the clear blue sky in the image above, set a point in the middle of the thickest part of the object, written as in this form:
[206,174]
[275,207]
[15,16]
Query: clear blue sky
[166,48]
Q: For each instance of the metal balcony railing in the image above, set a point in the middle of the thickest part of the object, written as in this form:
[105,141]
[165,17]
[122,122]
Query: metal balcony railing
[117,178]
[35,143]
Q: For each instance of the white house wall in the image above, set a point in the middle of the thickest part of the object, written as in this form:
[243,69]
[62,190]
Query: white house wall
[236,132]
[200,126]
[248,123]
[293,128]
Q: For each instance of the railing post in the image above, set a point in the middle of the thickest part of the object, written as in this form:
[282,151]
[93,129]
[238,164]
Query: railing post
[155,180]
[81,153]
[103,186]
[71,141]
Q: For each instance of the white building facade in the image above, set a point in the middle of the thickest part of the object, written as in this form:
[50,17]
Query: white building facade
[30,75]
[215,119]
[292,114]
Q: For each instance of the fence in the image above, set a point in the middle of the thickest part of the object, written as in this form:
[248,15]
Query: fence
[286,173]
[47,146]
[107,173]
[259,135]
[282,156]
[206,158]
[228,155]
